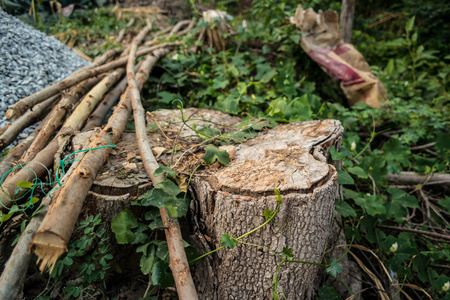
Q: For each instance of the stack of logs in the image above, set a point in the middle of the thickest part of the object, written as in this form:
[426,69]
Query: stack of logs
[97,86]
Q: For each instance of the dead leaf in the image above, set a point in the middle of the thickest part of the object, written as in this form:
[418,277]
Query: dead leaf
[157,151]
[131,167]
[131,155]
[181,181]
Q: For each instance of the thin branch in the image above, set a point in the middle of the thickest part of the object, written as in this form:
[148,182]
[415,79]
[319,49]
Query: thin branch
[434,234]
[178,260]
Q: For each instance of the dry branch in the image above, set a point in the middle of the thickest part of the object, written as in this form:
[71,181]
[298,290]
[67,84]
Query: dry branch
[44,159]
[178,260]
[30,117]
[99,60]
[122,32]
[412,178]
[56,116]
[51,239]
[27,102]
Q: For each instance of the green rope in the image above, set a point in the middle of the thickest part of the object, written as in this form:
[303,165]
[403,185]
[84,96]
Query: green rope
[38,183]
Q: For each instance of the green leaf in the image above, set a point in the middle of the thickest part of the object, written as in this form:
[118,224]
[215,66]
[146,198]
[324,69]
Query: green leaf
[410,24]
[268,213]
[160,276]
[152,214]
[400,200]
[207,132]
[121,226]
[227,241]
[163,251]
[358,172]
[334,268]
[162,169]
[213,153]
[445,203]
[373,205]
[25,184]
[287,252]
[344,177]
[344,209]
[335,155]
[165,195]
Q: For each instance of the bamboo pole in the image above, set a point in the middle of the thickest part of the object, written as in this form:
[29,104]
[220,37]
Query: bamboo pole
[44,159]
[55,118]
[29,118]
[21,106]
[51,239]
[178,260]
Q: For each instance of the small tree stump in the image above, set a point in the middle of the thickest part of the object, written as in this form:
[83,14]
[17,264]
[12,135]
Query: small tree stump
[232,200]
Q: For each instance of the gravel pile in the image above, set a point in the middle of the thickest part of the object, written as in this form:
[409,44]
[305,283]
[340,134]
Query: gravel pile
[29,62]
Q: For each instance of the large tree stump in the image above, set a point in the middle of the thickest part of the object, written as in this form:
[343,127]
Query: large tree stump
[292,158]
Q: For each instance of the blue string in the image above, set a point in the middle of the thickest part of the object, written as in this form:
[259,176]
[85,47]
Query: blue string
[37,182]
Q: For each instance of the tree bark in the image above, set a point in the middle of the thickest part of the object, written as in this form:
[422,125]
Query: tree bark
[347,13]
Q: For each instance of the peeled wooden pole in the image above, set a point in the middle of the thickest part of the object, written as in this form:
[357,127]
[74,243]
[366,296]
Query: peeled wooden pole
[178,260]
[44,159]
[29,118]
[54,233]
[55,118]
[27,102]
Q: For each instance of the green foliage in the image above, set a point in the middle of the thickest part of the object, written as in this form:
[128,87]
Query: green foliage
[90,253]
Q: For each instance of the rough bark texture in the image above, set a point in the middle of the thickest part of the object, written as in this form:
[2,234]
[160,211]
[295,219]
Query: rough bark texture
[233,199]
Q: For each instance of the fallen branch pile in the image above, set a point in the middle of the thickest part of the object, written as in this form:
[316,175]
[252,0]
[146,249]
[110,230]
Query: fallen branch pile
[79,102]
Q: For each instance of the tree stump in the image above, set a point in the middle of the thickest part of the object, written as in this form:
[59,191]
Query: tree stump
[232,200]
[292,158]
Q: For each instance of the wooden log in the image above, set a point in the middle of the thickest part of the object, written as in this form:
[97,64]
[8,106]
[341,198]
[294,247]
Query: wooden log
[293,158]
